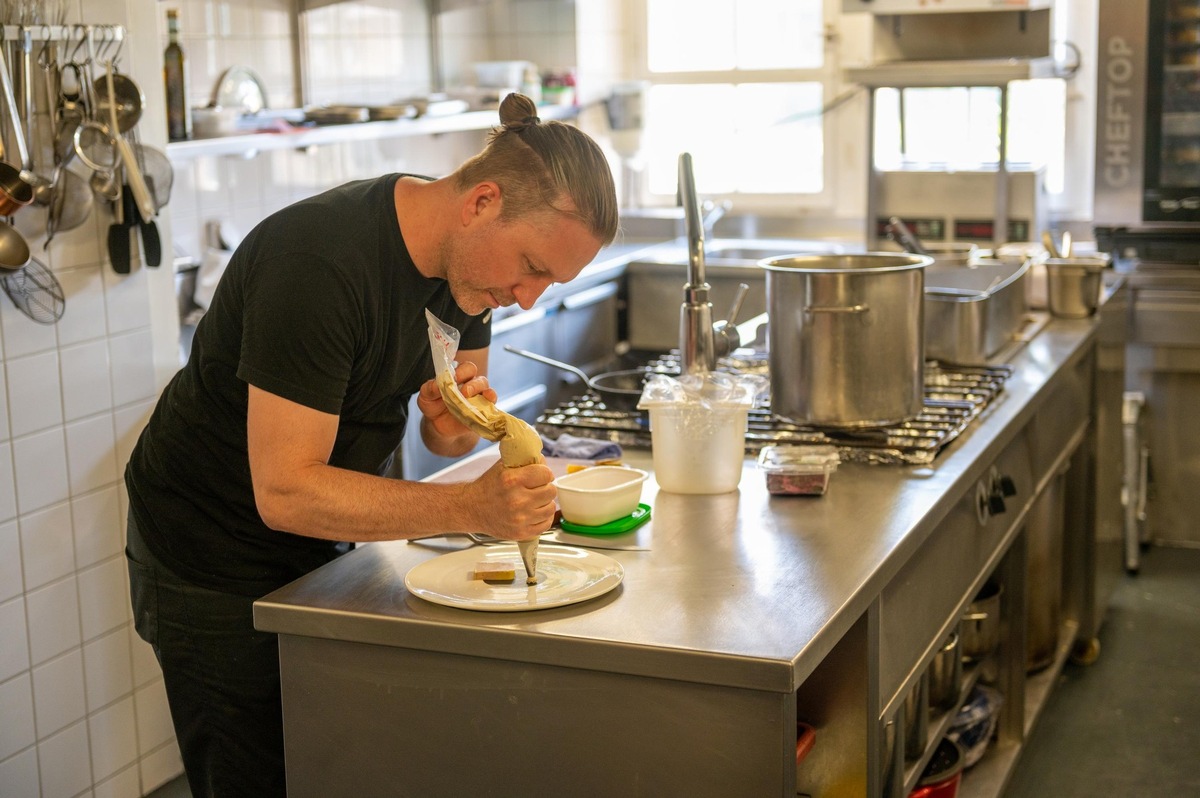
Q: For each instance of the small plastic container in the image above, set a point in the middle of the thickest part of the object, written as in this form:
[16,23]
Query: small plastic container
[798,470]
[698,450]
[600,494]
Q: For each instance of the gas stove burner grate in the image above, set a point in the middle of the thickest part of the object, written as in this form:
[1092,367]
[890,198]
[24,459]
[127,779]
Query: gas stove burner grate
[954,397]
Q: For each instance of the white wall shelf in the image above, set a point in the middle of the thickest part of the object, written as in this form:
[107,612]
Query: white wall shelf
[250,144]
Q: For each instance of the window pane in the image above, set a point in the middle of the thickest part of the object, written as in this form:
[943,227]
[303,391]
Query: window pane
[774,35]
[686,36]
[779,138]
[1037,130]
[960,128]
[696,119]
[752,138]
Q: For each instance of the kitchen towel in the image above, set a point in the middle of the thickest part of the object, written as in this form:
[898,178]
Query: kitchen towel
[576,448]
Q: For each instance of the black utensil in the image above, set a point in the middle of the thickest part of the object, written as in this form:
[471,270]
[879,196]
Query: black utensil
[151,243]
[898,231]
[118,234]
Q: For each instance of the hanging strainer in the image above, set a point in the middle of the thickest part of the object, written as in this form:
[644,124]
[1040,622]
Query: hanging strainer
[158,172]
[96,147]
[35,291]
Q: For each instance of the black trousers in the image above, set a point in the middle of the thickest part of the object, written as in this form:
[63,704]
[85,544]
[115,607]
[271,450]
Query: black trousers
[221,676]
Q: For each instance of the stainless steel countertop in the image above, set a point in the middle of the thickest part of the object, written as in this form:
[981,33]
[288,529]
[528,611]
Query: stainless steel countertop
[742,589]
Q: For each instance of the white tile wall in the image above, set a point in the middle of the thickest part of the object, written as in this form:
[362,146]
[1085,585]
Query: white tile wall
[81,696]
[96,519]
[125,784]
[16,707]
[53,613]
[73,397]
[13,658]
[58,693]
[19,774]
[47,548]
[108,668]
[64,761]
[113,732]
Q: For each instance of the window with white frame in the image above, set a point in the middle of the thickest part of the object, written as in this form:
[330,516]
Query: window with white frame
[746,86]
[739,84]
[959,128]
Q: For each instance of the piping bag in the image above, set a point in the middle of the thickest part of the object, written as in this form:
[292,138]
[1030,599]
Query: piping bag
[520,445]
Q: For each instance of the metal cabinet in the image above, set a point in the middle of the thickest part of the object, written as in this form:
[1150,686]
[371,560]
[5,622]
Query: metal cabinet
[1010,527]
[1163,364]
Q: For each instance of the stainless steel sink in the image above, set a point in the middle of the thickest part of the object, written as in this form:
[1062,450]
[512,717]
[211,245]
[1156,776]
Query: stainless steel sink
[737,250]
[656,283]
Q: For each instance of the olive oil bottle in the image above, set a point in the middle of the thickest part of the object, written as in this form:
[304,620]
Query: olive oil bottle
[179,115]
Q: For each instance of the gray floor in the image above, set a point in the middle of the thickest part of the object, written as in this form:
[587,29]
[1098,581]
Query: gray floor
[1127,725]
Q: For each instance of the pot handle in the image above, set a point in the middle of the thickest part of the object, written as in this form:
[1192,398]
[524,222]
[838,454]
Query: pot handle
[975,616]
[836,308]
[806,736]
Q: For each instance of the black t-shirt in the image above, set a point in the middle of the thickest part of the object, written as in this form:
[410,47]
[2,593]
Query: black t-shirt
[322,305]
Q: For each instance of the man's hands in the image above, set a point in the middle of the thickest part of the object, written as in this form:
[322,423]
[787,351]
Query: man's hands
[513,503]
[442,433]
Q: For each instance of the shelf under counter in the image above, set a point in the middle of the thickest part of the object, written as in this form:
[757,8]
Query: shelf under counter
[250,144]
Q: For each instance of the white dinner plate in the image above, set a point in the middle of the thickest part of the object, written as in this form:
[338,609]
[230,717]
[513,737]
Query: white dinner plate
[566,575]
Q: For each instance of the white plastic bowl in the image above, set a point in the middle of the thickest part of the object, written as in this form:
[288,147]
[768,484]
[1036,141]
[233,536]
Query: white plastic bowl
[600,494]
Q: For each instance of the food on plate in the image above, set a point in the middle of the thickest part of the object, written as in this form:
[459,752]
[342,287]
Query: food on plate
[496,570]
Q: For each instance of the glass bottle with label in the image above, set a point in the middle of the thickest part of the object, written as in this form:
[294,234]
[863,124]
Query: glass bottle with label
[179,122]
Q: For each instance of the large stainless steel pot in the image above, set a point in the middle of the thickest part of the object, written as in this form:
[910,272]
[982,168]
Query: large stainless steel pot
[846,337]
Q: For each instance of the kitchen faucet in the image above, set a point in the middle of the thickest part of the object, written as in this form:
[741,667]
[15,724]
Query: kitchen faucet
[700,341]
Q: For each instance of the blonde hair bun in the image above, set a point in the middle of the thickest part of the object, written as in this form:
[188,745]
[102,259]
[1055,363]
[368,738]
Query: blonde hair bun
[518,112]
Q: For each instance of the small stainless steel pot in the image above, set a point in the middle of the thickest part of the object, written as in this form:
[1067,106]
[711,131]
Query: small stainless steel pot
[945,675]
[980,625]
[1073,286]
[916,718]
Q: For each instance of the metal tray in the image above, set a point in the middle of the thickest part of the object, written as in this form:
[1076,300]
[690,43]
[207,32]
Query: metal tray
[971,312]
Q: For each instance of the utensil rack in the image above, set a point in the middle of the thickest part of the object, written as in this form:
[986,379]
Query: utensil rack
[99,34]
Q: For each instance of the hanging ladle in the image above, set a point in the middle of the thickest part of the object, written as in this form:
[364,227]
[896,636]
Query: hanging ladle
[15,191]
[28,177]
[14,249]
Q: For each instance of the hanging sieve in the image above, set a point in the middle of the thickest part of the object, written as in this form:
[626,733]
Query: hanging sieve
[35,291]
[96,147]
[157,171]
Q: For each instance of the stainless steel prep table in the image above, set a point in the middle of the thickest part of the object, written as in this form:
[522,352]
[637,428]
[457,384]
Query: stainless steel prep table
[687,679]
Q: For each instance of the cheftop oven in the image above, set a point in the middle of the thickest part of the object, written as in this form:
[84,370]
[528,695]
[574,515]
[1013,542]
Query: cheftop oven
[1148,115]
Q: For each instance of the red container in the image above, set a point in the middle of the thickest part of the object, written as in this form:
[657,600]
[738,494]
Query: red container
[943,773]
